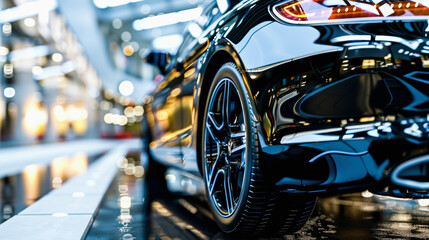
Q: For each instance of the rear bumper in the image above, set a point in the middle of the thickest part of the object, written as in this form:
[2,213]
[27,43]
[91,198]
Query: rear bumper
[331,161]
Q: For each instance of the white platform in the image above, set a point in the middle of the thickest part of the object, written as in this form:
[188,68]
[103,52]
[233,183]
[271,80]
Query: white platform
[67,212]
[14,159]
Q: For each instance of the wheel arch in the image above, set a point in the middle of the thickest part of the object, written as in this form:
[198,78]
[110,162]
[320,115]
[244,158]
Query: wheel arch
[222,54]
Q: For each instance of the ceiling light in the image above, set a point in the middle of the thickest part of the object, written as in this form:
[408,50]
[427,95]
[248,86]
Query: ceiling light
[126,36]
[29,22]
[167,19]
[4,51]
[53,71]
[128,50]
[126,88]
[9,92]
[37,70]
[57,57]
[117,23]
[7,29]
[29,53]
[169,43]
[26,10]
[135,46]
[113,3]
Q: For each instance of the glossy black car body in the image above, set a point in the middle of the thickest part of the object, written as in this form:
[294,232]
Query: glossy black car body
[333,106]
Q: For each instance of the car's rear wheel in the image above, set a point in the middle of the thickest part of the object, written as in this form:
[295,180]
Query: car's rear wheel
[240,199]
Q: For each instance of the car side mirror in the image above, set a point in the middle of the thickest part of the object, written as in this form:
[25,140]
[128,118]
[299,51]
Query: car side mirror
[159,59]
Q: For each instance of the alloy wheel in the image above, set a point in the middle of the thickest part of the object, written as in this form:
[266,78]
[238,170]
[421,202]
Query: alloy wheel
[225,147]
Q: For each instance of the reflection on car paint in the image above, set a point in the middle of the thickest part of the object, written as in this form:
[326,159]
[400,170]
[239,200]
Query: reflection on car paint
[336,107]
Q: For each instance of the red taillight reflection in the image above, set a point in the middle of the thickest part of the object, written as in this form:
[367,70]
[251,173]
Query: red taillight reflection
[328,10]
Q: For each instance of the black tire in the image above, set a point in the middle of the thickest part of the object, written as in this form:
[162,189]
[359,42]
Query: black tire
[240,199]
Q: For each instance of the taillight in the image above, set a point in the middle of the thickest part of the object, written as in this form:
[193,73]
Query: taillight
[322,11]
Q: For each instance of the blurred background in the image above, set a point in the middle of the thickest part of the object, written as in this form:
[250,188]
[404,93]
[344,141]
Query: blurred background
[74,69]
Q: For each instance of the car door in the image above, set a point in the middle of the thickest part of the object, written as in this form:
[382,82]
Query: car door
[194,46]
[170,111]
[165,120]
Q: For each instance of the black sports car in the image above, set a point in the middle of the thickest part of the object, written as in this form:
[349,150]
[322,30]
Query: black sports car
[272,103]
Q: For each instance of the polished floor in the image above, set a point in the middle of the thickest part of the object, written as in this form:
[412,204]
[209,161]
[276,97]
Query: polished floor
[130,212]
[135,208]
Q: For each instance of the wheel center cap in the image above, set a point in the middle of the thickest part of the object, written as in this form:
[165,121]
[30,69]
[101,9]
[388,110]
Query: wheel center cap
[227,150]
[229,147]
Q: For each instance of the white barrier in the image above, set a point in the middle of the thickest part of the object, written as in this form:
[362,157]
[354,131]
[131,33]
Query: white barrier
[67,212]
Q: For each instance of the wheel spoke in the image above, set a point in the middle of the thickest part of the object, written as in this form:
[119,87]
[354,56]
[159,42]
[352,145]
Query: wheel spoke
[213,131]
[212,171]
[228,190]
[209,150]
[212,181]
[212,121]
[236,156]
[225,104]
[238,135]
[238,149]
